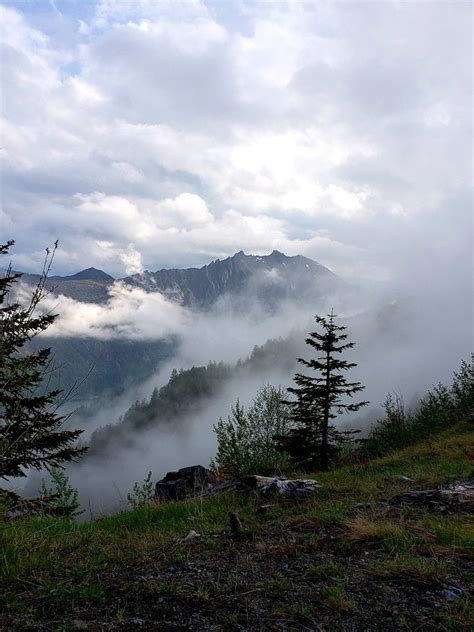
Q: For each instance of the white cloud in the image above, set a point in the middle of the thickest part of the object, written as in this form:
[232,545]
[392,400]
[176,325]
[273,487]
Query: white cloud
[132,261]
[188,208]
[192,131]
[130,313]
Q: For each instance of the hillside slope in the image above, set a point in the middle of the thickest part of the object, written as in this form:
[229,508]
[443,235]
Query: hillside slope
[345,560]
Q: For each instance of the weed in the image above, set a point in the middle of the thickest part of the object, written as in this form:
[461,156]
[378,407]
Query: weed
[418,567]
[328,570]
[455,617]
[142,493]
[390,534]
[335,598]
[203,593]
[277,586]
[301,610]
[62,498]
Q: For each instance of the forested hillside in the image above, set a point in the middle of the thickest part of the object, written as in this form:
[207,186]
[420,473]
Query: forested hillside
[186,394]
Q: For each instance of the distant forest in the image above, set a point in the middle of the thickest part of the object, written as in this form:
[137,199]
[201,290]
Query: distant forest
[188,391]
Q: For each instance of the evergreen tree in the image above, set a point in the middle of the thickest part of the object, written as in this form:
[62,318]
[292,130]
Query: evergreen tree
[30,426]
[320,398]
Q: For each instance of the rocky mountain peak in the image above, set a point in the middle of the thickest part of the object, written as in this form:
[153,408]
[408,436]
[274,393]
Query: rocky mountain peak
[90,274]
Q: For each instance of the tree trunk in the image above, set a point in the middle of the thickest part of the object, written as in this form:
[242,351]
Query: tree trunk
[324,437]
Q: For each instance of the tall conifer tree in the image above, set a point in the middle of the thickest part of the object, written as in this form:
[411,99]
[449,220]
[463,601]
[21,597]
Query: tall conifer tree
[320,398]
[31,433]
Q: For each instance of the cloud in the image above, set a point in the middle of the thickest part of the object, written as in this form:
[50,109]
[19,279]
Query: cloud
[188,208]
[132,260]
[130,314]
[185,132]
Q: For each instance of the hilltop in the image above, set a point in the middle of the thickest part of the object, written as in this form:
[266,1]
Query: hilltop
[347,559]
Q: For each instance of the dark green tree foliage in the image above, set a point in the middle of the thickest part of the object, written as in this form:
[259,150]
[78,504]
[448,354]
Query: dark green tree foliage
[30,426]
[320,398]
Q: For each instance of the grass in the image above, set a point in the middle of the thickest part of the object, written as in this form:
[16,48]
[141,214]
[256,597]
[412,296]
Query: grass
[412,566]
[277,586]
[52,569]
[335,598]
[328,570]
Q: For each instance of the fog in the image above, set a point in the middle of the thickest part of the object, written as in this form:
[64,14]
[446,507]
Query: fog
[144,135]
[403,345]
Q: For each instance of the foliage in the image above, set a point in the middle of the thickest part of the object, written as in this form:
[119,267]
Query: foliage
[247,441]
[30,426]
[142,493]
[62,499]
[184,394]
[319,399]
[442,407]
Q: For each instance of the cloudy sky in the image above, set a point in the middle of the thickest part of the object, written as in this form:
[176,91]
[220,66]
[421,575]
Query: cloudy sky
[152,134]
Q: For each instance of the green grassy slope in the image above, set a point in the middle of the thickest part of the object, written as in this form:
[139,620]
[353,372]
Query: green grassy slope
[314,564]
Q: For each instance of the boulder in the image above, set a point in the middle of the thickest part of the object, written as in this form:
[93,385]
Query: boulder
[186,482]
[197,480]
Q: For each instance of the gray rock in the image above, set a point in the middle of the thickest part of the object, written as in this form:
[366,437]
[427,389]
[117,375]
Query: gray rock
[193,537]
[451,593]
[186,482]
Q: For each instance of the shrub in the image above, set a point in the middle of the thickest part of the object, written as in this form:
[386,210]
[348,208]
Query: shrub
[247,441]
[440,408]
[62,498]
[142,493]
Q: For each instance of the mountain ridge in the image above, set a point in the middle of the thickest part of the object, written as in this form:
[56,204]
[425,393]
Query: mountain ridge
[266,278]
[240,284]
[269,277]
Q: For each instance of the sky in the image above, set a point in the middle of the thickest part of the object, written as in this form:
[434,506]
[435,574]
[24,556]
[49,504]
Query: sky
[152,134]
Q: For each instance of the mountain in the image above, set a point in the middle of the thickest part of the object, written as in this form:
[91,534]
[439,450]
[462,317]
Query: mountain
[268,279]
[101,367]
[90,274]
[249,279]
[88,286]
[88,368]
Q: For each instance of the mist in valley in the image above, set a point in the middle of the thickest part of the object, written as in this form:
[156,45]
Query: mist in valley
[146,138]
[398,349]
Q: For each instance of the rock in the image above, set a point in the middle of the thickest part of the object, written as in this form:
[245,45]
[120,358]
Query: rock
[192,538]
[269,485]
[196,480]
[166,491]
[186,482]
[451,593]
[454,497]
